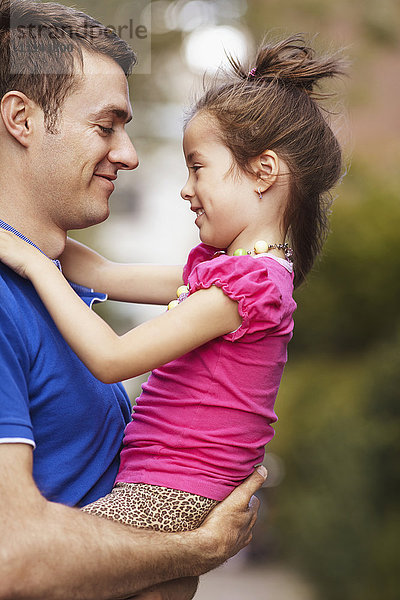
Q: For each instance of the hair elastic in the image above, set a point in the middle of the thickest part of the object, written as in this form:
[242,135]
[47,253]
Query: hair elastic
[252,72]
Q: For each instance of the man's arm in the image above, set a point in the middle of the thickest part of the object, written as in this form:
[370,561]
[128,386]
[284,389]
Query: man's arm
[51,551]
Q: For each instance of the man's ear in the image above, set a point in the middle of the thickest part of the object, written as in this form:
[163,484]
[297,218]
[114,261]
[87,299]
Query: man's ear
[17,112]
[266,169]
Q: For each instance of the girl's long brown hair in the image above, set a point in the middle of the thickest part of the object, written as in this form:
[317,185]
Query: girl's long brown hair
[273,104]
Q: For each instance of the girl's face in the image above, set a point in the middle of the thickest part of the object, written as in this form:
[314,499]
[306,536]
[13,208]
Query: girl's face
[220,195]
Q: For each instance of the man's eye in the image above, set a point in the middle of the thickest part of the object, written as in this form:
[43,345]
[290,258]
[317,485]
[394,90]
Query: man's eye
[195,168]
[107,130]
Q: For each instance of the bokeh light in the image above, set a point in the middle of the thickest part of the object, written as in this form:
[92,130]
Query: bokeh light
[206,48]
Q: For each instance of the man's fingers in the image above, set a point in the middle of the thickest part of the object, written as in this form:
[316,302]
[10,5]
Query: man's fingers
[254,504]
[242,495]
[251,513]
[245,491]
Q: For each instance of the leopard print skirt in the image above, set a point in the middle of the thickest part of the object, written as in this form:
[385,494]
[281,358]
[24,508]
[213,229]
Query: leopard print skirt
[152,507]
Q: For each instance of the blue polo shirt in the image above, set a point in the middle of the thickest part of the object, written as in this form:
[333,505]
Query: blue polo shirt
[50,400]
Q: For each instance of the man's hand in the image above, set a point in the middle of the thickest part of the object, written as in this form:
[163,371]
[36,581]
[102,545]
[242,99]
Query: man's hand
[228,527]
[226,530]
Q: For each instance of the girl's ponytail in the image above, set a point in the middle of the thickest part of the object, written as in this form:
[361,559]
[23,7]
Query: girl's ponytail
[291,62]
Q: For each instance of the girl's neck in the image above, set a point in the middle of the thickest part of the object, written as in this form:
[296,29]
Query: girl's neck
[246,241]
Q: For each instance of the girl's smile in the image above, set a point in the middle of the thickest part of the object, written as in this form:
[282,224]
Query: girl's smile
[200,212]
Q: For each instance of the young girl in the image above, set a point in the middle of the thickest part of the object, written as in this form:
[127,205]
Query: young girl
[261,159]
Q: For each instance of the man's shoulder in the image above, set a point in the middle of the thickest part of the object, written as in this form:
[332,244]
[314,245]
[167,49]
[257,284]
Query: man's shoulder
[12,287]
[8,284]
[19,304]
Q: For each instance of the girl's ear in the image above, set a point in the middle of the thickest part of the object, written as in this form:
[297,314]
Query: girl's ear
[17,112]
[266,169]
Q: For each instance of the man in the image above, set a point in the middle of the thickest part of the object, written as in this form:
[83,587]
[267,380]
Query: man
[64,107]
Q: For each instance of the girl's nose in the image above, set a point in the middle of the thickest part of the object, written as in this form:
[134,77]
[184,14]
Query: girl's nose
[186,191]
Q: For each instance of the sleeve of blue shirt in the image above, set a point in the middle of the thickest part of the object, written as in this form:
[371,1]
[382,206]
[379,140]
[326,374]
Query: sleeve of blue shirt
[15,420]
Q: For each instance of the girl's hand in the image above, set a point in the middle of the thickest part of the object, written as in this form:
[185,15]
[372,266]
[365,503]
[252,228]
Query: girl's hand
[18,254]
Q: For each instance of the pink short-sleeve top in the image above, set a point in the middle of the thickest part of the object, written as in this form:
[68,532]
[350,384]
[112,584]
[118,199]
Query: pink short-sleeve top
[202,421]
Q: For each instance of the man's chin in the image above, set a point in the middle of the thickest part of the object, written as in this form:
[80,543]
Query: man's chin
[96,220]
[92,219]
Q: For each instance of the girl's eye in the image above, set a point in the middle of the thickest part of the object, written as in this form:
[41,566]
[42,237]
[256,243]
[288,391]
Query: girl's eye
[106,130]
[195,168]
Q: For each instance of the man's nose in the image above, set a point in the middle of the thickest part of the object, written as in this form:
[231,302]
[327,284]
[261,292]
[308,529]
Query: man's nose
[124,154]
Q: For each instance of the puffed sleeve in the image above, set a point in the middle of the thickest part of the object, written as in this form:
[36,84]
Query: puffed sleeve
[197,255]
[246,280]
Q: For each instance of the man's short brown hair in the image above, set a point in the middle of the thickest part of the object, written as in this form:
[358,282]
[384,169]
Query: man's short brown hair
[39,43]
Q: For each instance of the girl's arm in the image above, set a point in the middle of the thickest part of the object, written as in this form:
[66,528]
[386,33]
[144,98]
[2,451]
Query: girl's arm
[142,283]
[200,318]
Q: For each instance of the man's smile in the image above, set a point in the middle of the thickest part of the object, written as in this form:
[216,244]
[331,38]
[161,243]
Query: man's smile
[107,178]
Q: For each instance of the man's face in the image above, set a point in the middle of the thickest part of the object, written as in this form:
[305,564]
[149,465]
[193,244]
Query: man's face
[74,169]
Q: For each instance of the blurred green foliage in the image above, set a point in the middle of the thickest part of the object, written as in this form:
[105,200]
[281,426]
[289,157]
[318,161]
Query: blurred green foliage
[351,300]
[337,510]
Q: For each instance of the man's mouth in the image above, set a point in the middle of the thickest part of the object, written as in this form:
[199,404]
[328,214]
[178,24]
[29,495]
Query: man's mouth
[200,211]
[107,178]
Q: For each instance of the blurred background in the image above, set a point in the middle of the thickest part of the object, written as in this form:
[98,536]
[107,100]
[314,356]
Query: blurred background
[329,526]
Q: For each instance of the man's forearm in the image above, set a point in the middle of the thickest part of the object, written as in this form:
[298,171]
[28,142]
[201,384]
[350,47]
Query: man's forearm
[61,553]
[54,552]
